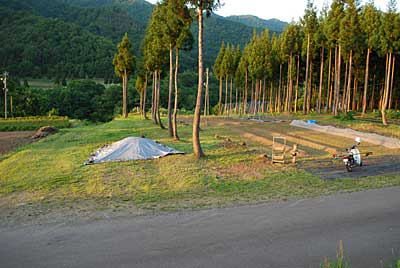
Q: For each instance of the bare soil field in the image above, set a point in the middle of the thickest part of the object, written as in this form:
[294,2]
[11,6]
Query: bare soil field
[11,140]
[315,148]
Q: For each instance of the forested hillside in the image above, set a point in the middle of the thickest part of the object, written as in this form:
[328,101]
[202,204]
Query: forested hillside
[58,21]
[253,21]
[36,47]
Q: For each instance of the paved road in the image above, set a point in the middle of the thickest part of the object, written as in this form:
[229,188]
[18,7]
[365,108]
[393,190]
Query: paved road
[286,234]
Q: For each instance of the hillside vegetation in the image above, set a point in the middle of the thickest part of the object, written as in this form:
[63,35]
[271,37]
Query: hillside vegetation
[274,25]
[69,23]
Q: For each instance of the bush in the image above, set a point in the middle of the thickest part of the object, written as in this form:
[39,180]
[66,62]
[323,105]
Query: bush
[349,116]
[53,112]
[215,110]
[393,114]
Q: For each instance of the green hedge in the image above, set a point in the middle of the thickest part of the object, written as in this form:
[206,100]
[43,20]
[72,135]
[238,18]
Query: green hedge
[33,123]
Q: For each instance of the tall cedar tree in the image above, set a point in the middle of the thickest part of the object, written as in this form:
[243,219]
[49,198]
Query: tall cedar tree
[335,14]
[310,24]
[177,19]
[370,26]
[218,72]
[155,51]
[124,63]
[390,36]
[201,6]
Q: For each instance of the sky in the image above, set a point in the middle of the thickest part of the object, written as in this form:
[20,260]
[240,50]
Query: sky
[284,10]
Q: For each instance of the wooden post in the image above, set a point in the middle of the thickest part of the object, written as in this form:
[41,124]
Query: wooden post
[294,153]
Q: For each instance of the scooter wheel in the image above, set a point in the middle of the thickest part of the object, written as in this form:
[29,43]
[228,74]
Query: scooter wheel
[349,168]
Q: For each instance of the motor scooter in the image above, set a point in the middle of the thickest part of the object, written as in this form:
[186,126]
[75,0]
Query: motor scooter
[352,157]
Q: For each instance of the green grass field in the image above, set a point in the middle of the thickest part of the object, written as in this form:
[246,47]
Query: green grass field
[52,170]
[33,123]
[50,84]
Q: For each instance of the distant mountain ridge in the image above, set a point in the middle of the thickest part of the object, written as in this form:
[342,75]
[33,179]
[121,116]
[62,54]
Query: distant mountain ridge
[108,19]
[274,25]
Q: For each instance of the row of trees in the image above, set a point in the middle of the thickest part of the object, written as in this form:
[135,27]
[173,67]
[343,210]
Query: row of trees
[80,99]
[168,32]
[302,69]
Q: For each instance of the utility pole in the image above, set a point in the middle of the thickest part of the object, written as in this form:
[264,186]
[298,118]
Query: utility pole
[4,79]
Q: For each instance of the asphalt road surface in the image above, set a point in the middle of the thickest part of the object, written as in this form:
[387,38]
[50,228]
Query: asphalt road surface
[284,234]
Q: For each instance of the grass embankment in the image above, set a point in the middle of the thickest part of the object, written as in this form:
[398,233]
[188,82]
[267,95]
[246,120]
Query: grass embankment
[33,123]
[52,170]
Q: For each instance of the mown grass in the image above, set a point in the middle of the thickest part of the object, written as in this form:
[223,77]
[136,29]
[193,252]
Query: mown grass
[33,123]
[52,170]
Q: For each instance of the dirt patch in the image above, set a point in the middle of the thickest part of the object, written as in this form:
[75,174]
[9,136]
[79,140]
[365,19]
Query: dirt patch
[304,142]
[11,140]
[385,165]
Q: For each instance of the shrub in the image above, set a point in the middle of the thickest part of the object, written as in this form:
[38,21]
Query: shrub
[393,114]
[349,116]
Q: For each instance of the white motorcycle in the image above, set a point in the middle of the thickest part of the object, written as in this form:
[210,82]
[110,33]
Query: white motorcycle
[352,157]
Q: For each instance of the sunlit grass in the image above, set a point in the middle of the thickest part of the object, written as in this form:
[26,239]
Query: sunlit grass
[52,169]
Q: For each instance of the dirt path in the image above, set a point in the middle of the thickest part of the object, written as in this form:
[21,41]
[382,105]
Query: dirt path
[11,140]
[313,144]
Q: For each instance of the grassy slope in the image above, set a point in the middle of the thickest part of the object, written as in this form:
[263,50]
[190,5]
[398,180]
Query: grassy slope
[52,170]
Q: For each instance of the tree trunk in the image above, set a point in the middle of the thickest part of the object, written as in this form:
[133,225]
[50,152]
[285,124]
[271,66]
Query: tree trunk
[346,73]
[329,88]
[306,82]
[364,108]
[297,84]
[309,94]
[255,97]
[171,67]
[270,98]
[279,89]
[391,83]
[175,115]
[207,98]
[264,97]
[338,61]
[124,94]
[385,97]
[198,152]
[230,96]
[246,89]
[226,96]
[252,98]
[290,97]
[154,99]
[349,79]
[355,102]
[158,100]
[144,98]
[141,102]
[321,79]
[220,96]
[236,101]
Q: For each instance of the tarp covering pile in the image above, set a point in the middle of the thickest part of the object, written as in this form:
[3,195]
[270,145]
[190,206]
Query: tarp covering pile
[131,148]
[372,138]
